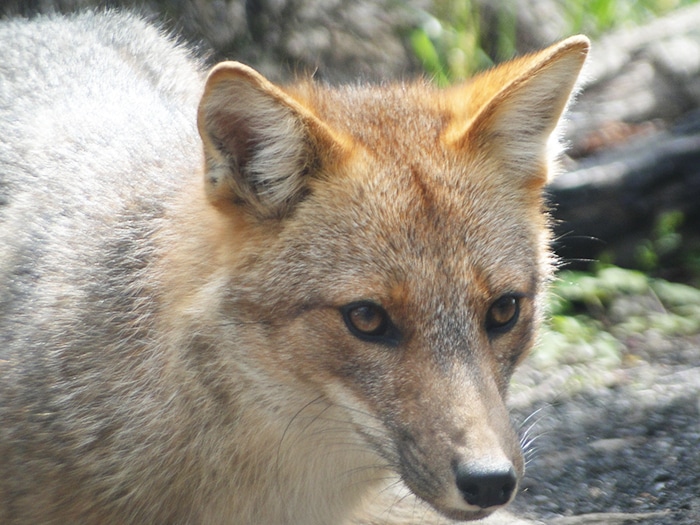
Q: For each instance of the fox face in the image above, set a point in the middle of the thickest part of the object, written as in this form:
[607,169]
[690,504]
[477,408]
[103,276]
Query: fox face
[389,258]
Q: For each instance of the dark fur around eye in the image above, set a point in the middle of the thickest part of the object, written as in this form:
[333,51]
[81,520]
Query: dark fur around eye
[503,314]
[370,322]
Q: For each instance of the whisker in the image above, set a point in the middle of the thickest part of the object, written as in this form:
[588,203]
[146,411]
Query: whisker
[527,439]
[284,435]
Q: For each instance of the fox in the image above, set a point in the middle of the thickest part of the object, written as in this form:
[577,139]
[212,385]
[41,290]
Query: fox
[225,300]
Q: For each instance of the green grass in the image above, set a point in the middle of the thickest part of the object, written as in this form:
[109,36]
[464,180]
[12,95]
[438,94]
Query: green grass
[449,42]
[596,17]
[593,315]
[452,46]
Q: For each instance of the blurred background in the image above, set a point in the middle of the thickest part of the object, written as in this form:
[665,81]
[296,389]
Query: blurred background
[615,379]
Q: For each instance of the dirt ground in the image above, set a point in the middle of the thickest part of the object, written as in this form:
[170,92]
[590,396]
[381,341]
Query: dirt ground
[621,446]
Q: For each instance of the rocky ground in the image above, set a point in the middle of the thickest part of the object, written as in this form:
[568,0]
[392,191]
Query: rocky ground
[615,441]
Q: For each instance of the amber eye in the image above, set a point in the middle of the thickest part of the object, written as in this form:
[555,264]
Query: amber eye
[503,314]
[369,322]
[367,318]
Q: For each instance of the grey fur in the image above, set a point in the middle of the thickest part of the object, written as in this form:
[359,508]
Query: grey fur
[82,99]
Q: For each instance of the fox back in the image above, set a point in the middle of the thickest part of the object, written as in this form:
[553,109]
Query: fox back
[226,301]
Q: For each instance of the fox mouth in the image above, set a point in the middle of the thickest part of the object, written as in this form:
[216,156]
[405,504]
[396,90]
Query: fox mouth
[466,515]
[458,514]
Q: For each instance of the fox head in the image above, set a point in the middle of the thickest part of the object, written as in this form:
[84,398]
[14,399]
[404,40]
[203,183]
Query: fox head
[390,253]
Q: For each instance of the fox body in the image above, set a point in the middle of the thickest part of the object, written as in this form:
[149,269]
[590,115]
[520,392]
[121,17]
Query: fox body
[224,301]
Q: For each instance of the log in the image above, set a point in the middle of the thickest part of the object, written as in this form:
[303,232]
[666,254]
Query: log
[614,198]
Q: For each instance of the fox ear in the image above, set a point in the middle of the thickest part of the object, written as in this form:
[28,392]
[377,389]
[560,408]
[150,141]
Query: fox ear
[260,145]
[517,124]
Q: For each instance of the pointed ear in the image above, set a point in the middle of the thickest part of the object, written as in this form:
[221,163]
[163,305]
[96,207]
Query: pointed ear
[517,124]
[260,144]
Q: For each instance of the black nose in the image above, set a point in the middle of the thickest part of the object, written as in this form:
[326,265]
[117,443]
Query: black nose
[486,486]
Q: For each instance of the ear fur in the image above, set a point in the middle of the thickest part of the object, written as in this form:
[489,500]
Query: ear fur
[516,124]
[260,144]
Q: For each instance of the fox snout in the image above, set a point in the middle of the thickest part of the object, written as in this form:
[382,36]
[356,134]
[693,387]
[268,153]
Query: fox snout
[466,471]
[474,487]
[469,488]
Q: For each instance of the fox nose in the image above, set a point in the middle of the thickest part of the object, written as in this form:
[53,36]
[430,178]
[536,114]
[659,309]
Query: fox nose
[486,487]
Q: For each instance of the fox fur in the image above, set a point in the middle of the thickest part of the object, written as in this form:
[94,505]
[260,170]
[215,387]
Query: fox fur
[224,301]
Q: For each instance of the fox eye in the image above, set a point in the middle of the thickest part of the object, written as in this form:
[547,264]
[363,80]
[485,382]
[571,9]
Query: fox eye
[370,322]
[503,314]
